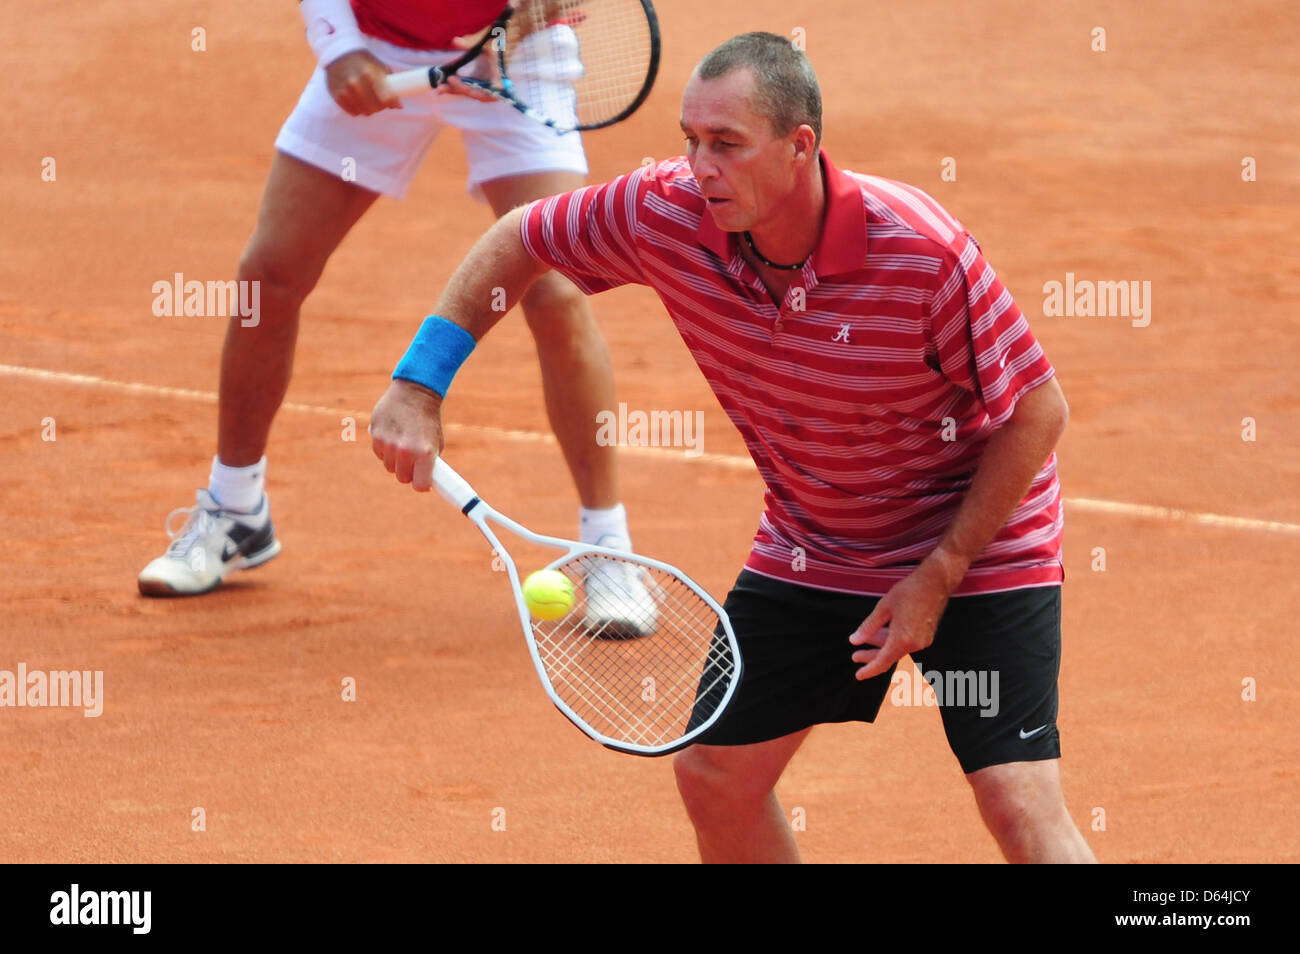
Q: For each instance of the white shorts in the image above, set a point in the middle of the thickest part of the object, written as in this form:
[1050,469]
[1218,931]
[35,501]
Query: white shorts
[381,152]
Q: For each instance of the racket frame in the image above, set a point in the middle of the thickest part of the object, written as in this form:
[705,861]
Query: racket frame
[457,491]
[422,79]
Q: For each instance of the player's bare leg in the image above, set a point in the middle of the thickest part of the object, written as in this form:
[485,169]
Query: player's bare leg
[305,214]
[728,793]
[577,374]
[1024,808]
[578,383]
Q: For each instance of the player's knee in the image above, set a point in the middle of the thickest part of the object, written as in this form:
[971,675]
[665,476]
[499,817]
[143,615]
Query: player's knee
[1007,818]
[280,279]
[556,311]
[1015,802]
[710,786]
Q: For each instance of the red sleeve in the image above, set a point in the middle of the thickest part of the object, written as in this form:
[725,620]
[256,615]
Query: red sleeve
[983,341]
[589,235]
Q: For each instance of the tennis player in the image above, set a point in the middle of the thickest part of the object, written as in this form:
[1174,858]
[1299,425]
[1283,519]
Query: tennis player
[898,408]
[346,143]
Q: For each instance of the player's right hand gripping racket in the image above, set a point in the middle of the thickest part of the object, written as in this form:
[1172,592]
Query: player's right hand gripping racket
[569,64]
[645,677]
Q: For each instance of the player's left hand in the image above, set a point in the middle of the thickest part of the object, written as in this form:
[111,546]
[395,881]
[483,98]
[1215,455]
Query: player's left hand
[406,432]
[456,86]
[484,68]
[905,619]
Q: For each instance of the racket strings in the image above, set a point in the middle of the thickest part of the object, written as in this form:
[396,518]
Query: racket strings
[579,62]
[644,667]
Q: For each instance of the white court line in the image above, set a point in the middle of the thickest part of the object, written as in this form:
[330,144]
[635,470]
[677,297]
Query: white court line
[1167,514]
[1174,515]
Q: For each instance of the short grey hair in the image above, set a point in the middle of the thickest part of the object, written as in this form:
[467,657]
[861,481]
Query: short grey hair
[785,87]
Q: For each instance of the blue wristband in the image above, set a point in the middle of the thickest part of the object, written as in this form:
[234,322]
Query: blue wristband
[437,351]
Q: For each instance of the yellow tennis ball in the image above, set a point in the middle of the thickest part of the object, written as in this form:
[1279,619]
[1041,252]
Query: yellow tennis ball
[548,593]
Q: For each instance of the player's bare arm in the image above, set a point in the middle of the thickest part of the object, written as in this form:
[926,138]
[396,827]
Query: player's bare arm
[1012,457]
[406,424]
[498,260]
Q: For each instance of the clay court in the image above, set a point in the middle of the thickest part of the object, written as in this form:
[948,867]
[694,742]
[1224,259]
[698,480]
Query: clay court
[1117,165]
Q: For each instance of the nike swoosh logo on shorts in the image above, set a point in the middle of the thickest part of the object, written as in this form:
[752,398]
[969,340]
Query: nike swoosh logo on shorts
[1033,732]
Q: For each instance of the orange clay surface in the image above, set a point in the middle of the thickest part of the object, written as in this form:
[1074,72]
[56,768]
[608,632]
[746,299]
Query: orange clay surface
[1117,165]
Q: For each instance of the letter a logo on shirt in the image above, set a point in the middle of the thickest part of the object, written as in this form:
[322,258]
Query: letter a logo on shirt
[842,335]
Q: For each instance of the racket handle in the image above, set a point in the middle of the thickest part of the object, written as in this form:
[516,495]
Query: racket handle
[409,81]
[452,485]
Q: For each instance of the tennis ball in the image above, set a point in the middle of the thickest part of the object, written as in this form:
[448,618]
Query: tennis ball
[548,593]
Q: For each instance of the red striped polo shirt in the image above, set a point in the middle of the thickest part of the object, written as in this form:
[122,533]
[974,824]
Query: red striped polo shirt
[866,398]
[425,24]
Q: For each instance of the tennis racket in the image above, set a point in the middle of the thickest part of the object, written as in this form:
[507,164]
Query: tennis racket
[644,662]
[569,64]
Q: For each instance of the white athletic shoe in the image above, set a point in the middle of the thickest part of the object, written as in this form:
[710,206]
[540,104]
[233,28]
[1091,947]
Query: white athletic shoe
[211,543]
[619,606]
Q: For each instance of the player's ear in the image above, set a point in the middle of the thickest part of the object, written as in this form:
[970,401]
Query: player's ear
[804,143]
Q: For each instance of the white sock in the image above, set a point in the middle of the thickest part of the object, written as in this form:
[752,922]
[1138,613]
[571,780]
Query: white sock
[237,488]
[607,528]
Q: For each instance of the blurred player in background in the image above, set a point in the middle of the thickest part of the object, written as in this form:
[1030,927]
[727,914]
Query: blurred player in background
[898,408]
[346,142]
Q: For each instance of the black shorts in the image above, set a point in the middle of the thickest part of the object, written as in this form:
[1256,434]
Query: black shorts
[993,665]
